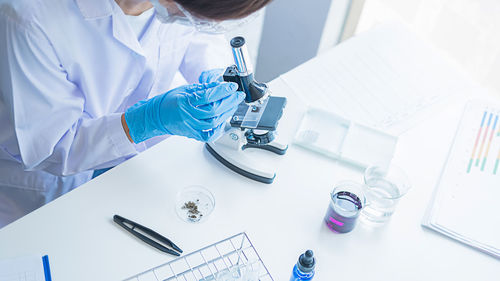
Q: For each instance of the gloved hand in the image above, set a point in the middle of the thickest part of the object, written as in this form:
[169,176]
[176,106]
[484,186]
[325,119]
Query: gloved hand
[213,75]
[197,111]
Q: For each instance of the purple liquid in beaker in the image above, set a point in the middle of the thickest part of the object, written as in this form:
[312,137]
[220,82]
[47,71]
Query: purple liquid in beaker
[343,211]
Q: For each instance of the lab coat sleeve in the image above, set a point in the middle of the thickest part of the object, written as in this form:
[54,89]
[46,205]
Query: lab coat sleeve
[205,52]
[52,129]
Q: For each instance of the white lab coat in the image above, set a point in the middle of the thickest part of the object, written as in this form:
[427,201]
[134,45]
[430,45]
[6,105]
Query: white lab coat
[68,70]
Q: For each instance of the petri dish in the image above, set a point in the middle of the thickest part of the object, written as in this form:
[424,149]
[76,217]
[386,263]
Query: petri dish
[194,203]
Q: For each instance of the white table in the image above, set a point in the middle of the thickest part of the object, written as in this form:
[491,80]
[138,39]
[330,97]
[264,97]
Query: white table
[282,219]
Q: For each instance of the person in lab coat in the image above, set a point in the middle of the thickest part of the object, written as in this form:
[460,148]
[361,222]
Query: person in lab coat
[86,84]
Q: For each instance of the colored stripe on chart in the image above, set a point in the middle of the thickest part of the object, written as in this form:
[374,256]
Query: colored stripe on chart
[484,140]
[489,143]
[496,164]
[476,142]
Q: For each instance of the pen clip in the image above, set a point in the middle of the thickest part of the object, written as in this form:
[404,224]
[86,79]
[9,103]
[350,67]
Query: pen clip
[123,222]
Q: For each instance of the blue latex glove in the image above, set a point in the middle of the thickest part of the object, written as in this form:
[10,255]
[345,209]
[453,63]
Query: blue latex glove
[197,111]
[213,75]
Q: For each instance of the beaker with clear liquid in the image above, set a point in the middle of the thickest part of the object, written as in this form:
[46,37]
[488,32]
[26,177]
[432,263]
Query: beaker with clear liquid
[383,189]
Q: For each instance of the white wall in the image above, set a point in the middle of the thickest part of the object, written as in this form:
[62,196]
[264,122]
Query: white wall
[334,24]
[294,31]
[468,30]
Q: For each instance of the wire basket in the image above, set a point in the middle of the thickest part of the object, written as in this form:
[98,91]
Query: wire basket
[233,258]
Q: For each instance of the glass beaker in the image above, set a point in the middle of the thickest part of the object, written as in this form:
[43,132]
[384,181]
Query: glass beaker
[346,201]
[384,188]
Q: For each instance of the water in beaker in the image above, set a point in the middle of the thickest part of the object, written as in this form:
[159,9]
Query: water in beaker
[384,188]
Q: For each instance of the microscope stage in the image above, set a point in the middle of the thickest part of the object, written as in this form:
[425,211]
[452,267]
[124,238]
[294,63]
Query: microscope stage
[269,119]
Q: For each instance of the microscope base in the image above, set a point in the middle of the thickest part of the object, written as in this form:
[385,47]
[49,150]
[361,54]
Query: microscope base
[239,163]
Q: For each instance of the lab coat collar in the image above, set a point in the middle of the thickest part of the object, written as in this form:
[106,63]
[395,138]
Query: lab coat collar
[93,9]
[96,9]
[123,33]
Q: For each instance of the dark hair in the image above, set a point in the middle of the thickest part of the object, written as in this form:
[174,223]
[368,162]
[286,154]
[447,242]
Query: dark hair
[222,9]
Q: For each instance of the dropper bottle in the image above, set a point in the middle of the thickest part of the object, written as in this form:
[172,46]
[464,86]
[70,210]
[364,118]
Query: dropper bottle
[304,269]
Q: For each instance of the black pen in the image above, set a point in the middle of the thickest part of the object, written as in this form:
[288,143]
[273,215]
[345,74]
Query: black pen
[143,234]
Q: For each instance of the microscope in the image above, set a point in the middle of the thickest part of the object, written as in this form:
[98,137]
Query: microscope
[254,123]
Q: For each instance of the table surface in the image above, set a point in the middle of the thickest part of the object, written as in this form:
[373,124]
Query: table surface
[282,219]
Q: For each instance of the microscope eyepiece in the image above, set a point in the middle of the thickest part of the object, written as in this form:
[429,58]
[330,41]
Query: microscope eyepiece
[240,55]
[243,73]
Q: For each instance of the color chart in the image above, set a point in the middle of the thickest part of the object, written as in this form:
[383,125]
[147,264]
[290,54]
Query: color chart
[483,157]
[465,205]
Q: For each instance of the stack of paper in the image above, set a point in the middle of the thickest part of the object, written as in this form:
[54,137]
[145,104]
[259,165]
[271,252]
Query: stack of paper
[385,78]
[465,203]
